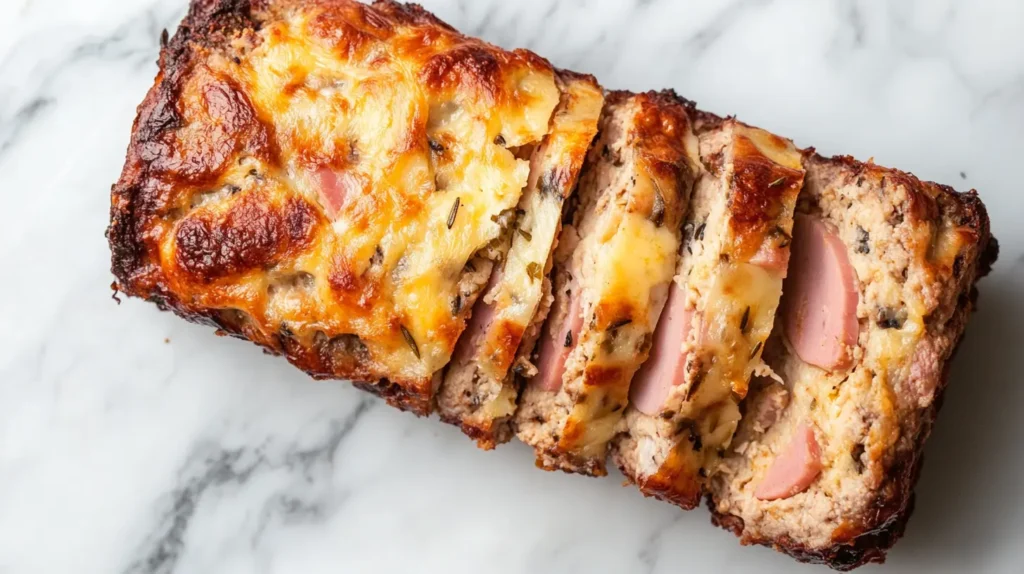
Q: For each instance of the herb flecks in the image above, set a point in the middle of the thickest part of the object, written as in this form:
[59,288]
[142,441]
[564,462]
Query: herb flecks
[620,323]
[410,341]
[863,241]
[777,182]
[454,212]
[568,339]
[533,270]
[658,209]
[786,238]
[699,234]
[889,318]
[526,234]
[757,348]
[745,320]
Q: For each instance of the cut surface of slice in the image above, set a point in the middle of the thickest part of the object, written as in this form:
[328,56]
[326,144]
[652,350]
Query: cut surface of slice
[479,391]
[735,248]
[614,264]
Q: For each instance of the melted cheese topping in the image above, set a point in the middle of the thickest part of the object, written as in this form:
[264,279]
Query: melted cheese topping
[778,150]
[412,119]
[632,264]
[635,257]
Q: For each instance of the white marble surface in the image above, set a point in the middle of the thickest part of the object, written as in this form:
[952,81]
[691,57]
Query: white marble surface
[131,442]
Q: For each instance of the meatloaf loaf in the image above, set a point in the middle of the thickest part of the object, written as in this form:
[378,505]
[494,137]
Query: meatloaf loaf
[880,286]
[351,185]
[330,180]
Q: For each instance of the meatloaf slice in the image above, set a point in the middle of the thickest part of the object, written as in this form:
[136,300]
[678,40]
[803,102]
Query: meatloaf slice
[479,391]
[331,180]
[880,288]
[722,306]
[611,274]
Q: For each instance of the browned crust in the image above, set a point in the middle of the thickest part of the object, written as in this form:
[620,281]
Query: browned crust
[487,434]
[212,252]
[867,542]
[658,135]
[760,185]
[677,481]
[132,202]
[556,458]
[146,182]
[141,191]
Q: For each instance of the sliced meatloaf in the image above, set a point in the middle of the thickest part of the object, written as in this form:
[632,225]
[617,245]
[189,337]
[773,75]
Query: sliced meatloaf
[479,391]
[721,309]
[331,180]
[880,286]
[611,274]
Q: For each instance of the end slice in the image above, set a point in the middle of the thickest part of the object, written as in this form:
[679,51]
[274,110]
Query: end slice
[826,473]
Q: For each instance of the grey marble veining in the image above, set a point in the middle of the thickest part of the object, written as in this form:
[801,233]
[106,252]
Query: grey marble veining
[131,442]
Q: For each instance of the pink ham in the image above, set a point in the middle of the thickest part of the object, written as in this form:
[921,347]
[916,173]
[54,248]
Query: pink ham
[667,364]
[554,351]
[335,189]
[820,297]
[794,469]
[772,258]
[479,323]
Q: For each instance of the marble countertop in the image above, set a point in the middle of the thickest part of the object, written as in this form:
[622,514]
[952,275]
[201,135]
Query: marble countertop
[132,442]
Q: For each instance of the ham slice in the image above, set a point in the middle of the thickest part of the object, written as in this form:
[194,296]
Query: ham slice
[556,344]
[479,323]
[772,258]
[820,297]
[667,364]
[794,469]
[335,188]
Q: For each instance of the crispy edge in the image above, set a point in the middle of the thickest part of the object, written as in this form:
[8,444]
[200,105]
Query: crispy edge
[208,23]
[675,482]
[211,24]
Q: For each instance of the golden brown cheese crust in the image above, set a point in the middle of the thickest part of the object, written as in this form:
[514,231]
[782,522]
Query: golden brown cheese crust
[951,242]
[763,187]
[292,176]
